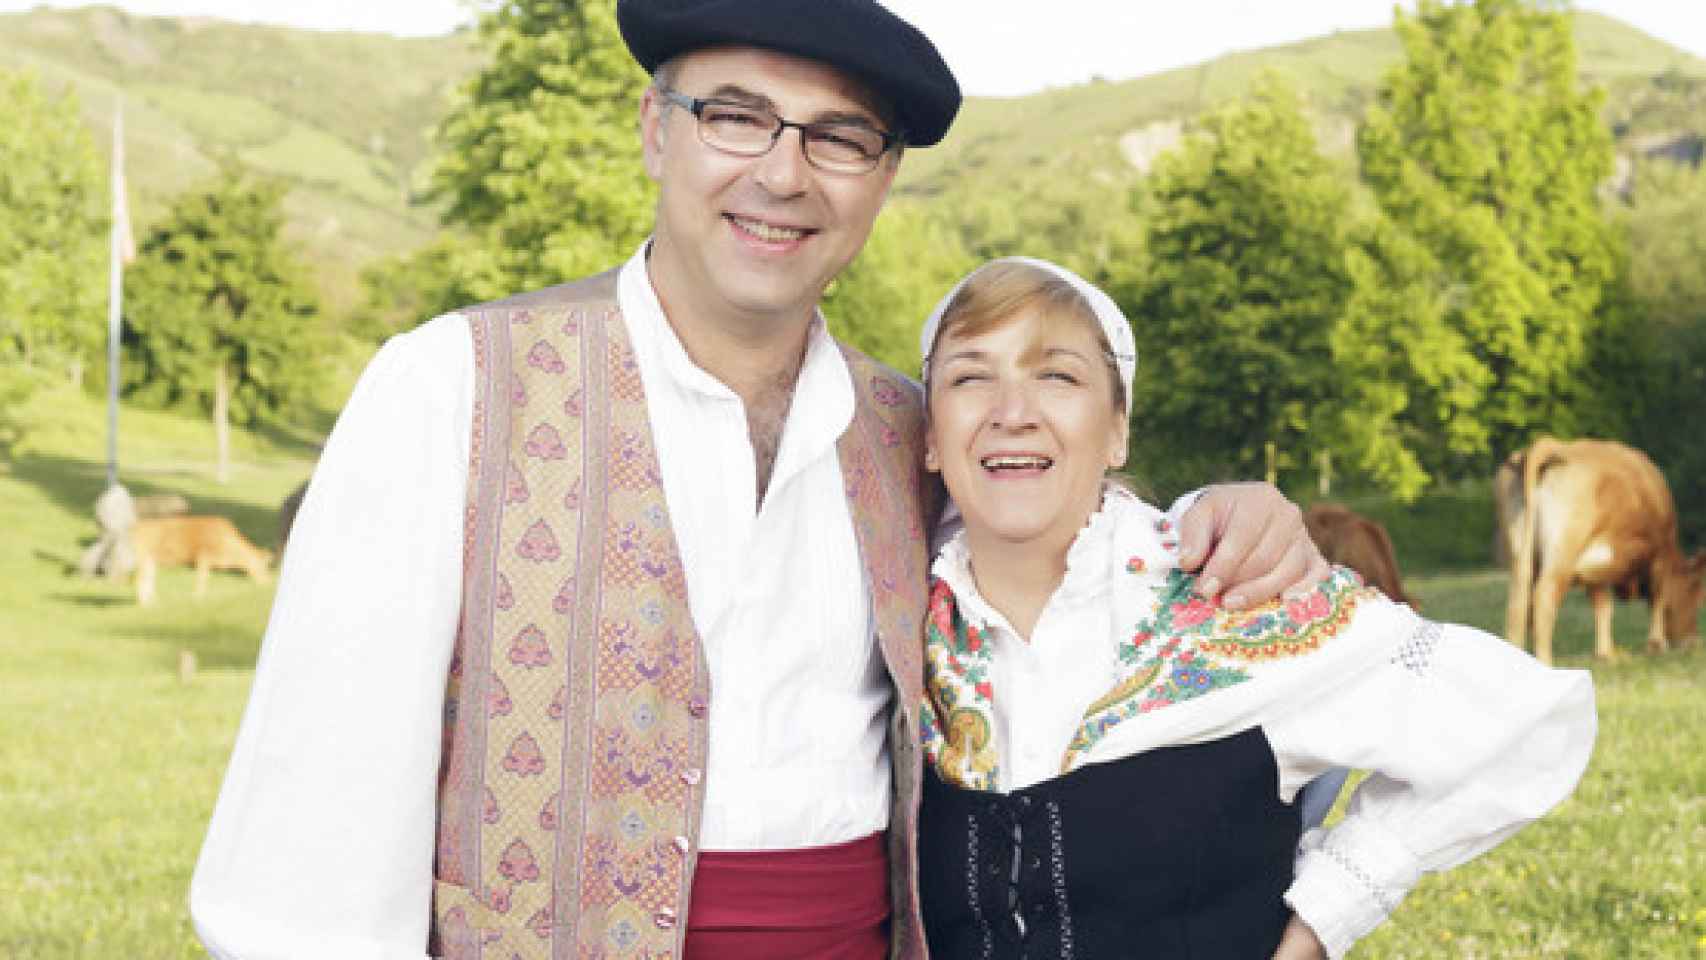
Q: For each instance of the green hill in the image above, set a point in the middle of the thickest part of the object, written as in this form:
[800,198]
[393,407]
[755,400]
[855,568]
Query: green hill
[1110,129]
[348,118]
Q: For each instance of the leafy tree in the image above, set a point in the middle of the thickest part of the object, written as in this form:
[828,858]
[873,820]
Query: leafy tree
[52,229]
[879,303]
[1236,301]
[1483,149]
[222,310]
[541,163]
[400,292]
[1666,219]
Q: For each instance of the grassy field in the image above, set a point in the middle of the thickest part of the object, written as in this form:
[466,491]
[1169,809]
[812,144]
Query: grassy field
[109,764]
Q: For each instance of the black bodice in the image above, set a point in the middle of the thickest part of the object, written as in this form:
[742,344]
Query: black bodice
[1183,852]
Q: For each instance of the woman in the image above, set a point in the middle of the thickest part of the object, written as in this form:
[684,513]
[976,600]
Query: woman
[1114,760]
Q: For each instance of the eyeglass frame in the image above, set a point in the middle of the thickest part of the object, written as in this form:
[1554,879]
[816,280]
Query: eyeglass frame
[696,106]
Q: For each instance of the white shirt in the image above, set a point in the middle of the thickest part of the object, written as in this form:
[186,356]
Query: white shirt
[321,842]
[1468,738]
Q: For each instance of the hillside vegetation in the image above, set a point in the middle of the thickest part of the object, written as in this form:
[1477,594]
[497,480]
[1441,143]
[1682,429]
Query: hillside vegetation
[348,119]
[1074,132]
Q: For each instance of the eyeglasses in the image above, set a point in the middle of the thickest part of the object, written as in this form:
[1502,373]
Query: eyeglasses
[748,131]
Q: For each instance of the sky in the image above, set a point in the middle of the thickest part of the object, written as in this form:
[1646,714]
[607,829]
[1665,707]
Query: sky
[995,47]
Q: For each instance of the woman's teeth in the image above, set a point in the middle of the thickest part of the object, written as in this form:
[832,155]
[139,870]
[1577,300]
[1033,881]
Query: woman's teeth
[1009,461]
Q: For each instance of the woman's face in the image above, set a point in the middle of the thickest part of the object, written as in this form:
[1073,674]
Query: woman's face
[1023,426]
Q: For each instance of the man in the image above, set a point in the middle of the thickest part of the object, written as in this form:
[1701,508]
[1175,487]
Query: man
[594,509]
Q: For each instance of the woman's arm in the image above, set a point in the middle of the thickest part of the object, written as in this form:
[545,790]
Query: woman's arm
[321,843]
[1468,740]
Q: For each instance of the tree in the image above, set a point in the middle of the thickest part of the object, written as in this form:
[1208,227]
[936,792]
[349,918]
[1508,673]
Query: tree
[541,163]
[222,311]
[1236,299]
[1666,219]
[1483,149]
[52,228]
[402,291]
[878,304]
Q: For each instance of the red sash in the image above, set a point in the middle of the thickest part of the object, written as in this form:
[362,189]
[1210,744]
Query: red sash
[822,903]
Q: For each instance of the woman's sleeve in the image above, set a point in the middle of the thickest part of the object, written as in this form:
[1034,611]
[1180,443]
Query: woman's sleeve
[321,842]
[1467,739]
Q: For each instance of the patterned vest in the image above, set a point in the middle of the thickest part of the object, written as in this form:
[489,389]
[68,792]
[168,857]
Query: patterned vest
[575,716]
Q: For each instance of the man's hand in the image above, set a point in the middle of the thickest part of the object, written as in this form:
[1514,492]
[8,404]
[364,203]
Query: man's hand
[1299,943]
[1254,543]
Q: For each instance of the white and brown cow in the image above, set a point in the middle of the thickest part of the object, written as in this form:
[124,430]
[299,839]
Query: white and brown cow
[1597,513]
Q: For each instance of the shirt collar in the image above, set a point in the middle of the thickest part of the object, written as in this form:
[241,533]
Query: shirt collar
[1090,562]
[823,403]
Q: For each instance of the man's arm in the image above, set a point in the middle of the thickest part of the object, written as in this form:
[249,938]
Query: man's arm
[321,842]
[1248,543]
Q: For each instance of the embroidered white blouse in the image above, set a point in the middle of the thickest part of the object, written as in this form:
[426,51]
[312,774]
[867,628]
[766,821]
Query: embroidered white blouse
[321,842]
[1467,738]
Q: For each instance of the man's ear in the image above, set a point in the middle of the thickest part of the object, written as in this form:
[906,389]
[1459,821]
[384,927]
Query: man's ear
[932,462]
[653,133]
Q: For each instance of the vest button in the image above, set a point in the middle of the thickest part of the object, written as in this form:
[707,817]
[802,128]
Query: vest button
[696,706]
[664,918]
[682,845]
[692,775]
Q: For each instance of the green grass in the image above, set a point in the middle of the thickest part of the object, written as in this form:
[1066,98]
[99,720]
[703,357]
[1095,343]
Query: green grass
[109,765]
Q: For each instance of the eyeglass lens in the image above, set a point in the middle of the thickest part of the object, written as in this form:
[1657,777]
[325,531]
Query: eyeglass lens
[751,131]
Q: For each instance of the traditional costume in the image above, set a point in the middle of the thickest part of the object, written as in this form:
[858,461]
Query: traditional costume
[1123,782]
[646,672]
[653,686]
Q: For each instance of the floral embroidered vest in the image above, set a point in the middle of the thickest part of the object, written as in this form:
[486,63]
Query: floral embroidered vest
[575,715]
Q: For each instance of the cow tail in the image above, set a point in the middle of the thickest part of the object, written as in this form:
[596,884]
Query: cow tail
[1523,560]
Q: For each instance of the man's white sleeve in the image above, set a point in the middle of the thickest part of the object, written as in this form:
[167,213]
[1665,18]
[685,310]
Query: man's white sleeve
[1468,740]
[321,843]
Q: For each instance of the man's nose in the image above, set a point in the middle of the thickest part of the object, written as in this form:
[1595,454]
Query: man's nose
[784,171]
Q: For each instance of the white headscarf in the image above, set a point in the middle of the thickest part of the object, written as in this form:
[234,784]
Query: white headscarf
[1113,322]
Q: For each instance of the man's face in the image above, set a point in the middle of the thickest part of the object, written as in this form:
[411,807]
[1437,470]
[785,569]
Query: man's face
[755,240]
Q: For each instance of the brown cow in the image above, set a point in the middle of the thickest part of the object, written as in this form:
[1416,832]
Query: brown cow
[1598,513]
[1348,538]
[207,543]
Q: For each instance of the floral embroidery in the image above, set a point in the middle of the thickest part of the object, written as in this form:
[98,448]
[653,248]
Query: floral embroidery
[958,715]
[1288,628]
[1183,650]
[1186,648]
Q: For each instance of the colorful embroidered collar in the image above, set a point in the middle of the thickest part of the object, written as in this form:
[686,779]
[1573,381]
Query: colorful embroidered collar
[1175,648]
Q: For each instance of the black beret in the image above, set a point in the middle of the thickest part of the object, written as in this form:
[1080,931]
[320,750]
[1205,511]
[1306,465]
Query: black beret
[859,36]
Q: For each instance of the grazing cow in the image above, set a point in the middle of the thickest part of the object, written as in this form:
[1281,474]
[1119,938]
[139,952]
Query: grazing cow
[206,543]
[1598,513]
[161,505]
[1348,538]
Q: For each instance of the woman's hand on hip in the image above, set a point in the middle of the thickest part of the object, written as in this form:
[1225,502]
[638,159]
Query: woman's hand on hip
[1299,943]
